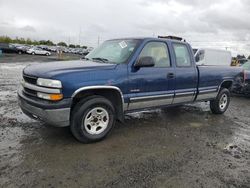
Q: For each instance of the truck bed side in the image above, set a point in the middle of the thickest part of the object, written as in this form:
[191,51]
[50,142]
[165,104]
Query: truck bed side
[211,78]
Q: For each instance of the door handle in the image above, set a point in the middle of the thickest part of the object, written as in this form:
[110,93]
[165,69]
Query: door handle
[170,75]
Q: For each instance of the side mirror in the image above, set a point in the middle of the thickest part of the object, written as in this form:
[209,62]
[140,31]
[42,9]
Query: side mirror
[146,61]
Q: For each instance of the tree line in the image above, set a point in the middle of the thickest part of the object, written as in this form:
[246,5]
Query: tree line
[28,41]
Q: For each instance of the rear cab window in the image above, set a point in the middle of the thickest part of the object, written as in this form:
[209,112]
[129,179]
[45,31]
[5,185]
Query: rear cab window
[182,55]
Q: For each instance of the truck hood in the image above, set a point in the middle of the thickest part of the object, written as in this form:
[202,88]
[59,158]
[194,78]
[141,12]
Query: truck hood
[52,69]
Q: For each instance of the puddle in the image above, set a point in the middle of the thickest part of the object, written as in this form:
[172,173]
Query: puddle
[143,114]
[196,125]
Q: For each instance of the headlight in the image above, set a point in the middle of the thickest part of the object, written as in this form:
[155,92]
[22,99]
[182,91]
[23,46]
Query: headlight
[49,83]
[51,97]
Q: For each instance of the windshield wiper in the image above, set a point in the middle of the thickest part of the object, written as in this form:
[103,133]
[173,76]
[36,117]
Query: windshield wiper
[101,59]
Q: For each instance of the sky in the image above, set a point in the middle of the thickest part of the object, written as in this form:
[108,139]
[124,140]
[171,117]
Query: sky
[222,24]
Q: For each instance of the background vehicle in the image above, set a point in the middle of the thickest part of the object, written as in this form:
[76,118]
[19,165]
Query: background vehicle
[121,76]
[23,48]
[8,48]
[238,62]
[38,51]
[87,51]
[242,84]
[207,56]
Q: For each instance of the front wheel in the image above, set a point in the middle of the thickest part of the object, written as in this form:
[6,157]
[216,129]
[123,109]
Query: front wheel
[92,119]
[221,103]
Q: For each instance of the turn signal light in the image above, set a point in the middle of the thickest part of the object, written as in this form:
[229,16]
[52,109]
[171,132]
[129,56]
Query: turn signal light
[56,97]
[51,97]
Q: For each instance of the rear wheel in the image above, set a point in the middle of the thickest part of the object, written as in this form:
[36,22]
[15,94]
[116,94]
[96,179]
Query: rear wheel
[221,103]
[92,119]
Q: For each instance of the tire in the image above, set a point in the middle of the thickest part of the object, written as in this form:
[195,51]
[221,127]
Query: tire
[47,54]
[33,53]
[221,103]
[19,52]
[92,119]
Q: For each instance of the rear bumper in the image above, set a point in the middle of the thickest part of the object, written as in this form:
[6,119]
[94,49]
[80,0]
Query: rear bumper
[56,114]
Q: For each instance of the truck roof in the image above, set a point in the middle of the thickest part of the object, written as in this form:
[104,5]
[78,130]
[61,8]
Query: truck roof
[150,38]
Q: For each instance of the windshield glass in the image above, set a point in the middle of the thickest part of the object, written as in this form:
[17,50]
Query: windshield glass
[246,66]
[113,51]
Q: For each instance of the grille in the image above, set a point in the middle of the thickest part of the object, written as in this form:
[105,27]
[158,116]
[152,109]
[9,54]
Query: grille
[29,92]
[30,79]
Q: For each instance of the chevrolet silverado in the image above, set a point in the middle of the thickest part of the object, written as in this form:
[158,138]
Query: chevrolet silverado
[121,76]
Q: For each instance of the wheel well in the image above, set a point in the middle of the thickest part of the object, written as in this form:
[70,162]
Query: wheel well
[112,95]
[227,84]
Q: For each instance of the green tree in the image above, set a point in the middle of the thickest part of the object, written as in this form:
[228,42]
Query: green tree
[46,42]
[35,42]
[42,42]
[50,43]
[19,40]
[29,41]
[72,46]
[62,44]
[5,39]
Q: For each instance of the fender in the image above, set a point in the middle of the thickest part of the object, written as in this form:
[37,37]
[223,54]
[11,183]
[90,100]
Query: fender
[227,80]
[100,87]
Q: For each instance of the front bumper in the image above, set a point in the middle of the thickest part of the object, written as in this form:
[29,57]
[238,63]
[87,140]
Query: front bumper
[56,114]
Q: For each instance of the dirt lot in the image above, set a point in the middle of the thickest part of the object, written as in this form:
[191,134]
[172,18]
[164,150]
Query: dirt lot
[176,147]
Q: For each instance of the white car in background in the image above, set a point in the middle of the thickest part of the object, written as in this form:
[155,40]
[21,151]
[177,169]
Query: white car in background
[206,56]
[38,51]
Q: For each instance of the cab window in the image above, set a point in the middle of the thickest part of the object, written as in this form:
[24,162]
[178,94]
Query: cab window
[158,51]
[182,55]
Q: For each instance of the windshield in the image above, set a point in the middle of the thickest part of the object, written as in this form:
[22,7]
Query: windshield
[113,51]
[246,66]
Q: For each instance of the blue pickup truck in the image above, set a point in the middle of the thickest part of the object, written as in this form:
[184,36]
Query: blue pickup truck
[121,76]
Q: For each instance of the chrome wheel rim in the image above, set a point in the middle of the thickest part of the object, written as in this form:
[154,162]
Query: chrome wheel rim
[96,121]
[223,102]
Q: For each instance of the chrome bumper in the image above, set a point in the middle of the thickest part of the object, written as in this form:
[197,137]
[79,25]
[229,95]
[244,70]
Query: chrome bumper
[59,117]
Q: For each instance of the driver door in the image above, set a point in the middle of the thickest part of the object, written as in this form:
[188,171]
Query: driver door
[152,86]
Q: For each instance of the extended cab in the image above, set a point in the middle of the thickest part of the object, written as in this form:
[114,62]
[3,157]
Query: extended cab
[121,76]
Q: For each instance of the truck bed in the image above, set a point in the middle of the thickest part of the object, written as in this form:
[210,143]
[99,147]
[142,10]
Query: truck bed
[210,78]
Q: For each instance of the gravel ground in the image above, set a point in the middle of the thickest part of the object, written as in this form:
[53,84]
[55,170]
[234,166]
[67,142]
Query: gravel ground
[175,147]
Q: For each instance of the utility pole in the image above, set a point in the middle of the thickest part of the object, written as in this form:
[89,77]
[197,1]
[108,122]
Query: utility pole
[69,40]
[98,40]
[80,31]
